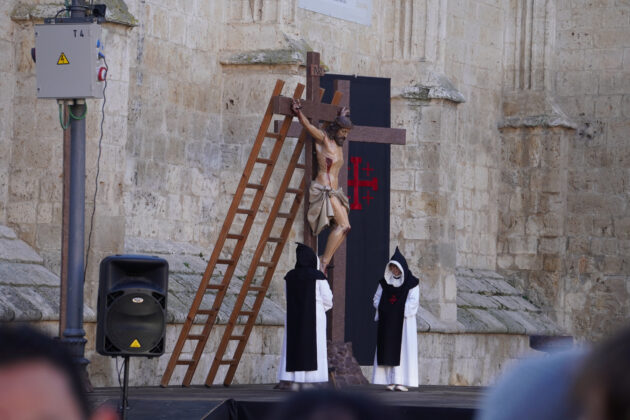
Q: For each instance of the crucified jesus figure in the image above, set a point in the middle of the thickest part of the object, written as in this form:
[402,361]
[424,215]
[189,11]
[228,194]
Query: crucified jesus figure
[328,204]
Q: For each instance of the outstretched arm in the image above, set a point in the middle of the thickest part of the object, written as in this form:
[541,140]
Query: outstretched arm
[315,132]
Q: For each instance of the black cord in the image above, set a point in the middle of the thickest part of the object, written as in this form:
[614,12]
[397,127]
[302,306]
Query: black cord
[119,371]
[98,171]
[62,10]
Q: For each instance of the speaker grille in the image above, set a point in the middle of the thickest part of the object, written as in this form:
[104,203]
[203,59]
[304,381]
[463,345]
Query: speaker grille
[135,322]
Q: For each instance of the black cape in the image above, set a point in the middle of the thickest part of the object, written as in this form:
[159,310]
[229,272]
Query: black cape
[301,327]
[391,315]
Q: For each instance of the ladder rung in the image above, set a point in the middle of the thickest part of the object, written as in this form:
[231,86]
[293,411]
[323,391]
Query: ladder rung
[246,313]
[266,264]
[185,362]
[206,312]
[195,337]
[300,165]
[228,362]
[257,288]
[272,135]
[235,236]
[255,186]
[237,337]
[274,239]
[215,286]
[294,191]
[226,262]
[265,161]
[285,215]
[244,211]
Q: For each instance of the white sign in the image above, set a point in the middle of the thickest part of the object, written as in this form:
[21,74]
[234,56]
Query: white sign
[359,11]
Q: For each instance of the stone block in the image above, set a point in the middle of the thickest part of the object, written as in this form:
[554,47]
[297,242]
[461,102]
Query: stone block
[523,245]
[549,245]
[604,246]
[609,38]
[552,263]
[402,180]
[528,262]
[576,81]
[505,261]
[419,228]
[608,107]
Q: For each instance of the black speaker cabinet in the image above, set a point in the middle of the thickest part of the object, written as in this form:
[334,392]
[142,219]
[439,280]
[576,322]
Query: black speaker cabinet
[131,318]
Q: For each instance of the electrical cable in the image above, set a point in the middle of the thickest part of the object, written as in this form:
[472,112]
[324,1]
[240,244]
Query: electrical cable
[61,11]
[74,117]
[98,170]
[64,127]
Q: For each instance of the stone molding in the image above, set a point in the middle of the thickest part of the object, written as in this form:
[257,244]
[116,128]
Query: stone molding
[438,88]
[117,12]
[542,121]
[293,53]
[282,56]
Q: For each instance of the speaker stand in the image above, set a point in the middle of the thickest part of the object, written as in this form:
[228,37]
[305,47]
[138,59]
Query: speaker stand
[124,404]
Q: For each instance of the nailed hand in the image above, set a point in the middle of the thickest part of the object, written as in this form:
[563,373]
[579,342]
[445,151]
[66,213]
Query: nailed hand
[296,106]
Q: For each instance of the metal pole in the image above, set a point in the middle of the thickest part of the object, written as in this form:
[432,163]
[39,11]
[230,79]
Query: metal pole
[74,335]
[77,10]
[64,224]
[124,406]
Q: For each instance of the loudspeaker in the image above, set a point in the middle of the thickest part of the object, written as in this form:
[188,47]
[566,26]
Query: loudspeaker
[131,318]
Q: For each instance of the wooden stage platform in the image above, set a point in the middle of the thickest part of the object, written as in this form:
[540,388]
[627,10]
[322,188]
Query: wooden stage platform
[246,402]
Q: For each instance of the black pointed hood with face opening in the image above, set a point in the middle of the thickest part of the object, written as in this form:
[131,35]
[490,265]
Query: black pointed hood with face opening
[301,323]
[391,310]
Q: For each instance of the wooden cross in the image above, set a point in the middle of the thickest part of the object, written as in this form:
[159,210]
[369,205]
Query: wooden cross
[317,112]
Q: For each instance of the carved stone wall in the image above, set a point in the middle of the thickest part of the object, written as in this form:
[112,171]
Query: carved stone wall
[565,170]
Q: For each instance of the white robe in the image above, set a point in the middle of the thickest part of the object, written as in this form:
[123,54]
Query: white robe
[407,372]
[323,302]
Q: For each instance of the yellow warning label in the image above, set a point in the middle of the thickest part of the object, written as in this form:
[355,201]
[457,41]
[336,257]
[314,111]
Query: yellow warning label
[135,344]
[64,60]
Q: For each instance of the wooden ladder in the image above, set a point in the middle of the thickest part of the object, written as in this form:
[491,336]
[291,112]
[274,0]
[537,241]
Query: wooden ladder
[261,289]
[220,249]
[240,238]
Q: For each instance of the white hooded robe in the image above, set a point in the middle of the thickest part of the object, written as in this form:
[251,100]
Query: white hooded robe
[407,372]
[323,302]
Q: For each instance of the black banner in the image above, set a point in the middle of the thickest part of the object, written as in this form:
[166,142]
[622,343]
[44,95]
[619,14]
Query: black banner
[368,193]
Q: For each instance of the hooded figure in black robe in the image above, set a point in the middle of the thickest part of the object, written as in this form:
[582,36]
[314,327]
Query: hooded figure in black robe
[396,302]
[308,297]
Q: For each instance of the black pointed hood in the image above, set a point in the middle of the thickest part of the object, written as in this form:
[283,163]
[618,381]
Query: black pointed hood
[305,265]
[408,279]
[305,257]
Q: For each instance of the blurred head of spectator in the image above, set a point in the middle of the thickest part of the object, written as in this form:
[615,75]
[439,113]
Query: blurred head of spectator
[602,389]
[535,388]
[38,380]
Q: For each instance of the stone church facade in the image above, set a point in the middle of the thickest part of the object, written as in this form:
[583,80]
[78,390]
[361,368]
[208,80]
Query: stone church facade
[510,198]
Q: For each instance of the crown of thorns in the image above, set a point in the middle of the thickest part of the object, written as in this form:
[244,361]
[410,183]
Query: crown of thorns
[343,119]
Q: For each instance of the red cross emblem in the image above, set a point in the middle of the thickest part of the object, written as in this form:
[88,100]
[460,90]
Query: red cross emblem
[355,183]
[393,299]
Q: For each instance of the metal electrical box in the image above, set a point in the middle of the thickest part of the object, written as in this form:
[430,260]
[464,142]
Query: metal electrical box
[67,60]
